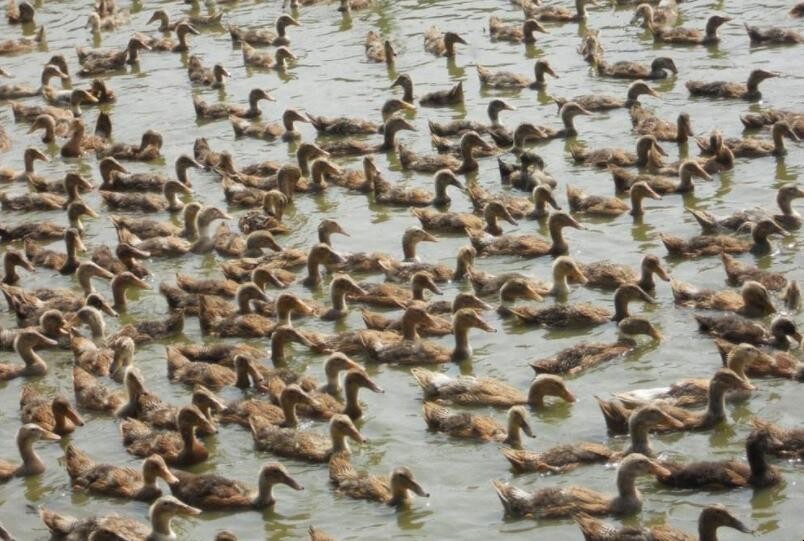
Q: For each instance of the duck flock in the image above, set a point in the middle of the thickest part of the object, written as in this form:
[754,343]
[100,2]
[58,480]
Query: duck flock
[622,252]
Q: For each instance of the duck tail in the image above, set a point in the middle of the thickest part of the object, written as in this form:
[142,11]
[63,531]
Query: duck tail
[674,245]
[422,376]
[58,525]
[76,461]
[578,153]
[238,126]
[434,415]
[506,169]
[502,489]
[574,197]
[615,415]
[441,144]
[706,220]
[435,128]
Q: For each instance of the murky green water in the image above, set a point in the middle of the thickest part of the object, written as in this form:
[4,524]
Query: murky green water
[332,77]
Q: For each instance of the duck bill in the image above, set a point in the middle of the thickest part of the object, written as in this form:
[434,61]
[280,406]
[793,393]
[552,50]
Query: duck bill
[531,294]
[672,421]
[568,396]
[372,386]
[292,483]
[659,470]
[417,488]
[108,310]
[526,428]
[188,510]
[88,210]
[73,416]
[484,325]
[49,436]
[168,476]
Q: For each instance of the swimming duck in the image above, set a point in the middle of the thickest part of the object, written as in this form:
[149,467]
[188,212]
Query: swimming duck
[341,286]
[485,391]
[146,202]
[527,246]
[411,161]
[77,97]
[563,458]
[459,127]
[22,45]
[22,13]
[517,207]
[757,148]
[688,36]
[73,183]
[663,15]
[599,102]
[581,316]
[478,427]
[161,514]
[356,147]
[378,50]
[13,92]
[772,34]
[417,197]
[11,260]
[581,356]
[438,98]
[148,330]
[109,480]
[646,147]
[118,179]
[616,414]
[738,329]
[608,275]
[31,465]
[647,123]
[441,43]
[710,519]
[725,89]
[441,326]
[271,132]
[790,442]
[146,150]
[303,444]
[594,205]
[65,263]
[660,68]
[515,33]
[738,273]
[30,156]
[457,222]
[752,301]
[507,79]
[125,258]
[393,490]
[709,245]
[79,142]
[558,14]
[176,447]
[728,473]
[214,77]
[282,415]
[789,217]
[38,231]
[224,110]
[214,492]
[249,324]
[258,59]
[393,295]
[197,21]
[56,415]
[267,219]
[52,127]
[317,535]
[107,361]
[210,375]
[98,23]
[167,44]
[566,501]
[261,36]
[624,180]
[99,61]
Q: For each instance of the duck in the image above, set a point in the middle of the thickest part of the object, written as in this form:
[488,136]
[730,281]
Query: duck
[769,117]
[56,415]
[661,15]
[557,14]
[566,457]
[214,77]
[269,218]
[592,205]
[752,301]
[22,13]
[459,127]
[453,222]
[101,61]
[197,21]
[77,97]
[147,202]
[119,482]
[258,59]
[581,316]
[566,501]
[738,329]
[788,219]
[738,274]
[478,427]
[624,180]
[582,356]
[660,68]
[148,149]
[486,391]
[261,36]
[515,33]
[393,490]
[646,147]
[527,246]
[176,447]
[342,285]
[757,148]
[118,179]
[392,295]
[106,361]
[15,92]
[515,206]
[608,275]
[65,263]
[710,519]
[13,259]
[409,350]
[22,45]
[249,324]
[756,472]
[531,172]
[688,36]
[38,231]
[305,445]
[356,147]
[270,132]
[210,375]
[602,102]
[97,23]
[790,443]
[43,201]
[507,79]
[30,156]
[419,197]
[284,415]
[224,110]
[616,413]
[441,43]
[167,44]
[125,258]
[161,514]
[726,89]
[709,245]
[379,50]
[647,123]
[31,464]
[772,34]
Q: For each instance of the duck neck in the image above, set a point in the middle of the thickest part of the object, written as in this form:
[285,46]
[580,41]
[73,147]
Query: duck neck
[409,245]
[31,463]
[494,116]
[287,123]
[389,138]
[409,331]
[119,295]
[569,124]
[60,421]
[339,305]
[786,205]
[707,530]
[265,494]
[313,272]
[716,406]
[243,304]
[513,437]
[352,404]
[620,306]
[560,286]
[462,348]
[160,526]
[289,412]
[29,163]
[559,245]
[253,106]
[407,90]
[626,487]
[646,281]
[580,8]
[10,272]
[778,142]
[685,185]
[682,134]
[149,485]
[756,459]
[639,440]
[636,204]
[468,160]
[339,443]
[462,267]
[492,225]
[34,364]
[399,494]
[277,349]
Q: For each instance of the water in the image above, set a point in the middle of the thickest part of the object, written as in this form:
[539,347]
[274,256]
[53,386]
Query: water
[332,78]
